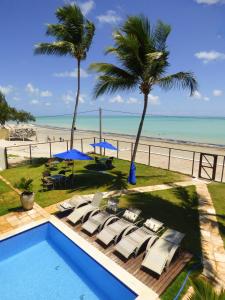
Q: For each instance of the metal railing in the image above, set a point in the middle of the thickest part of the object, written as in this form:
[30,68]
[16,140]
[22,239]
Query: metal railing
[169,158]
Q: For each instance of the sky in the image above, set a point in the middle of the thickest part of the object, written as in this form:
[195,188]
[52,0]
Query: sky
[46,85]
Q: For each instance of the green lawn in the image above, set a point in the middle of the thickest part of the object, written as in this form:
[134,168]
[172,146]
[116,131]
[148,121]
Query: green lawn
[177,208]
[217,191]
[89,180]
[8,199]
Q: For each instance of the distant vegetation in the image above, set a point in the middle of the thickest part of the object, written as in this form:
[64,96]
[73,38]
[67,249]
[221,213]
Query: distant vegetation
[9,113]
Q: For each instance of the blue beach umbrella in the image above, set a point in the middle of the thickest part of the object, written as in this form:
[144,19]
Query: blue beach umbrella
[132,174]
[105,145]
[73,155]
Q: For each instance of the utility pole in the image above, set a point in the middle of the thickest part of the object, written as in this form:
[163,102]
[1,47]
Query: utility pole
[100,127]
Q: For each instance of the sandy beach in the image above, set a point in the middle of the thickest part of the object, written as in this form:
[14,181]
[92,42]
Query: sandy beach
[181,154]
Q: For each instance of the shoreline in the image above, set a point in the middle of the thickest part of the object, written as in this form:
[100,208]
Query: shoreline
[132,136]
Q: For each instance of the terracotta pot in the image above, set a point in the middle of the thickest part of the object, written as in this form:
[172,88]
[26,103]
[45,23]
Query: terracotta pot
[27,200]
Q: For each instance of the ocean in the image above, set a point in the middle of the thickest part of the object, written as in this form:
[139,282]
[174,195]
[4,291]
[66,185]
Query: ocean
[210,130]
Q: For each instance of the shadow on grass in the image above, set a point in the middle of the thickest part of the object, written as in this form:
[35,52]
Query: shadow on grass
[183,219]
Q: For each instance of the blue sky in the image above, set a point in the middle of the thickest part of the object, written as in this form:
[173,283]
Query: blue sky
[45,85]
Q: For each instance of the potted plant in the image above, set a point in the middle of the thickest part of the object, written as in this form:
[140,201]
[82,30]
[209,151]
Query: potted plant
[27,196]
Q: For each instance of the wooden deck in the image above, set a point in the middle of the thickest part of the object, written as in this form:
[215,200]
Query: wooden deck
[133,265]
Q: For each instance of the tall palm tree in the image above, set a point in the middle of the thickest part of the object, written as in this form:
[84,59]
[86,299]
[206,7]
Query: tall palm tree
[73,34]
[142,54]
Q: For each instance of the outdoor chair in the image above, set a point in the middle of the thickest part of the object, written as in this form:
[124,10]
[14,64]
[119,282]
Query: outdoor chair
[159,256]
[98,219]
[47,184]
[138,238]
[74,203]
[81,213]
[113,232]
[46,173]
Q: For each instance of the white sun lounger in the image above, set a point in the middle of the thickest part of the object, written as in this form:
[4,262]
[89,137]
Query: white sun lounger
[159,256]
[112,232]
[81,213]
[74,202]
[138,238]
[97,220]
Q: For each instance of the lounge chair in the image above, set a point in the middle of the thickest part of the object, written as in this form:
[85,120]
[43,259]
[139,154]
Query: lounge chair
[112,232]
[159,256]
[74,202]
[97,220]
[81,213]
[138,238]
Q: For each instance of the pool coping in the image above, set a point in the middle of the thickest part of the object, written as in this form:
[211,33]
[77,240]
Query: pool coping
[143,292]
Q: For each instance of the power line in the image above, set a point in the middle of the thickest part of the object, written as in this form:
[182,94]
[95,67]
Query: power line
[64,115]
[124,112]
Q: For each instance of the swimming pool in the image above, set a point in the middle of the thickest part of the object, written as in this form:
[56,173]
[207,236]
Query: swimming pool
[43,263]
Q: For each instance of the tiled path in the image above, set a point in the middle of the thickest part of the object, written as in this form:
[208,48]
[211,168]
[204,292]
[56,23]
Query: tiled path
[212,243]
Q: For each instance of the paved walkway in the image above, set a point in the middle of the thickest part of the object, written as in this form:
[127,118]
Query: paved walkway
[211,241]
[150,188]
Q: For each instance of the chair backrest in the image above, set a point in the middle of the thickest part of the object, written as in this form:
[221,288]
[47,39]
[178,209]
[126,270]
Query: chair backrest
[131,214]
[173,236]
[97,198]
[153,224]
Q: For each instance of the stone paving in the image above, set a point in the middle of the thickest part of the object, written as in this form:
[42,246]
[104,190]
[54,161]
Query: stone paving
[19,218]
[212,244]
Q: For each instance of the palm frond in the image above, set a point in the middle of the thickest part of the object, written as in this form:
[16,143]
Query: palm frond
[160,35]
[111,84]
[185,80]
[69,13]
[56,48]
[88,35]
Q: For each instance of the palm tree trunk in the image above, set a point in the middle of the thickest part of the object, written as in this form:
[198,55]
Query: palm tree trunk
[140,128]
[76,106]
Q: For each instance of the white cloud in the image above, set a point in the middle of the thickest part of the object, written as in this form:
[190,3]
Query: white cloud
[69,97]
[31,89]
[34,101]
[6,89]
[117,99]
[110,17]
[154,100]
[198,96]
[209,2]
[46,93]
[87,6]
[210,56]
[48,104]
[83,74]
[217,93]
[132,100]
[16,98]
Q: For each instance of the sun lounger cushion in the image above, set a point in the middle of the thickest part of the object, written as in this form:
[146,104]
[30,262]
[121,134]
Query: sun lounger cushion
[173,236]
[153,224]
[129,215]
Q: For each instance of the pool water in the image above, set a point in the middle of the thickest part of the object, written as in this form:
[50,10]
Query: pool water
[42,263]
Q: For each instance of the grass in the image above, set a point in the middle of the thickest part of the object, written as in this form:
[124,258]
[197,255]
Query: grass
[217,191]
[9,199]
[177,208]
[88,179]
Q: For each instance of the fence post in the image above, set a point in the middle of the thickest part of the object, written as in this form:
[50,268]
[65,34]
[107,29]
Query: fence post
[81,144]
[131,151]
[94,147]
[193,165]
[30,154]
[50,149]
[104,148]
[149,155]
[67,145]
[169,158]
[223,169]
[117,146]
[6,158]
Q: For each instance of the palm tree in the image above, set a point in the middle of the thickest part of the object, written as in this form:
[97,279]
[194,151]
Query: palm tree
[203,290]
[142,54]
[73,34]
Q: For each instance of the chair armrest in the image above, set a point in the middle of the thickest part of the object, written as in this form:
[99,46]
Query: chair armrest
[171,255]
